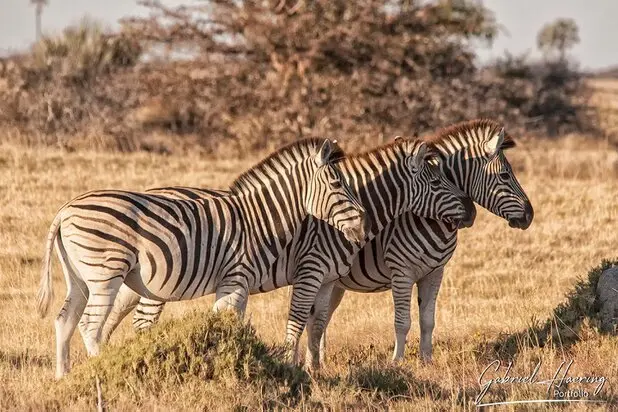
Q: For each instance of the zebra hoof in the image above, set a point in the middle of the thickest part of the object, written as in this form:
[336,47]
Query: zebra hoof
[60,374]
[426,359]
[312,368]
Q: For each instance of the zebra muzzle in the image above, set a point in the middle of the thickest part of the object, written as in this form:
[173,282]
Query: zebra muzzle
[470,213]
[355,234]
[458,219]
[524,221]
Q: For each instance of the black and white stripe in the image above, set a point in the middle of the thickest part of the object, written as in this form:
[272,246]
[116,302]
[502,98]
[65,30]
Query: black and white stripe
[413,249]
[389,180]
[169,249]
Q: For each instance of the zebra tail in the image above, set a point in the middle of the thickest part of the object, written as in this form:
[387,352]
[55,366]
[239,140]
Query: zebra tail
[46,292]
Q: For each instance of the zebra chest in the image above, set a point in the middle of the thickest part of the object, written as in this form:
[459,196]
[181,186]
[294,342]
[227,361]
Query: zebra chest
[418,243]
[368,272]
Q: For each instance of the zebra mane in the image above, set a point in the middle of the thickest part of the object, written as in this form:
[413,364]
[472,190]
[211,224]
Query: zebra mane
[392,145]
[285,158]
[469,133]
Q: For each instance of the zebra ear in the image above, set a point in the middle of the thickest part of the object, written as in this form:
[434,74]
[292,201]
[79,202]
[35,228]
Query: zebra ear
[324,155]
[418,156]
[495,143]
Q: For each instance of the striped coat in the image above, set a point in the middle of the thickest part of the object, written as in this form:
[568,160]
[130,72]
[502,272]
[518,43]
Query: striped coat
[177,249]
[410,249]
[414,250]
[387,183]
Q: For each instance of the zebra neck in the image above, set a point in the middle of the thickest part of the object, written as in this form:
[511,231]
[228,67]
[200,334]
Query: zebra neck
[381,184]
[457,166]
[270,216]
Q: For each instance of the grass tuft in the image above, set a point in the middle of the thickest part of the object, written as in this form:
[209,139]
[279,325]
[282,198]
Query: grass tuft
[200,347]
[569,320]
[383,380]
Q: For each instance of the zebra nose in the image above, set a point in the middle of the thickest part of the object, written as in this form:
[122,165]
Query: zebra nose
[529,212]
[470,212]
[354,234]
[524,220]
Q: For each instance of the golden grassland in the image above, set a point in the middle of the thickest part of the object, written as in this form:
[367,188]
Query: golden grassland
[498,282]
[605,103]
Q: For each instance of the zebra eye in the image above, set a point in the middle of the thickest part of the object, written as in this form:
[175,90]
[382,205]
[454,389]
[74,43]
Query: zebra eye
[505,175]
[335,184]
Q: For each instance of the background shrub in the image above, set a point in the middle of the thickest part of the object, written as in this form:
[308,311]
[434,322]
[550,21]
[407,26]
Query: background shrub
[257,74]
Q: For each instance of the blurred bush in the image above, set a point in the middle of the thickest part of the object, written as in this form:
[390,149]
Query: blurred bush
[254,74]
[83,52]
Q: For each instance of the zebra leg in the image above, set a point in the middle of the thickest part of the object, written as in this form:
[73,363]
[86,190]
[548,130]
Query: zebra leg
[316,325]
[304,293]
[125,301]
[335,300]
[428,288]
[232,292]
[401,285]
[103,290]
[147,314]
[70,313]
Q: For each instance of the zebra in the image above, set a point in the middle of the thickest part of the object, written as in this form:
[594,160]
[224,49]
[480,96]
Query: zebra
[387,184]
[177,249]
[413,249]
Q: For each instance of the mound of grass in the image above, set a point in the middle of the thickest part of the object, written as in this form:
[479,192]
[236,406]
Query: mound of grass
[201,347]
[577,314]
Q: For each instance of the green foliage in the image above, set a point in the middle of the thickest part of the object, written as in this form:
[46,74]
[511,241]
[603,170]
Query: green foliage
[580,300]
[200,347]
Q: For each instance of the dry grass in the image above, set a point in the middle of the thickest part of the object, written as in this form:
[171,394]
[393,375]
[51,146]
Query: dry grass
[605,102]
[498,282]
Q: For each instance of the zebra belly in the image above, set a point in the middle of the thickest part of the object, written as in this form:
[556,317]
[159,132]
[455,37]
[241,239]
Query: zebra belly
[368,272]
[410,245]
[167,278]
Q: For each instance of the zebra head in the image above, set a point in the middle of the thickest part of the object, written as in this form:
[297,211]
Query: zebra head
[430,197]
[465,199]
[504,195]
[331,198]
[472,157]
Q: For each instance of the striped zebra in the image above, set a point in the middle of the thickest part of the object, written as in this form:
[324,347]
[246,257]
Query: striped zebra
[388,182]
[177,249]
[410,249]
[413,249]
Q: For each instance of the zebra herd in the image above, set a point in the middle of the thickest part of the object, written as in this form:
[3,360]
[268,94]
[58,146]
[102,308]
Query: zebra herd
[308,216]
